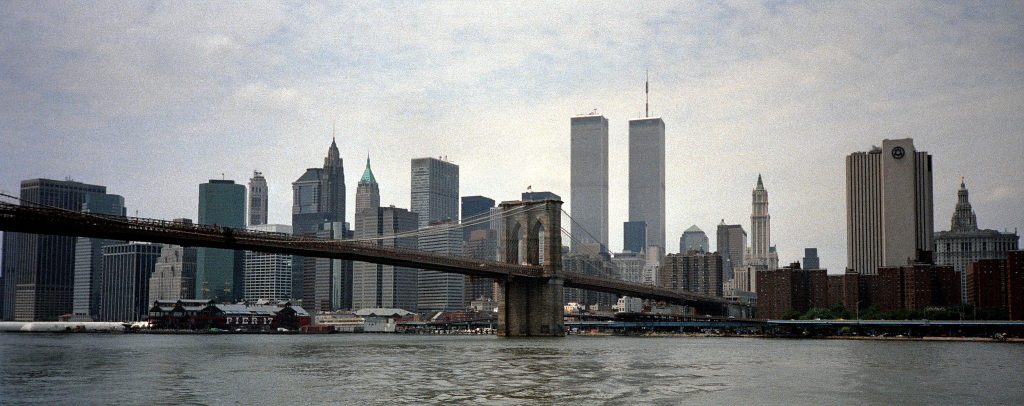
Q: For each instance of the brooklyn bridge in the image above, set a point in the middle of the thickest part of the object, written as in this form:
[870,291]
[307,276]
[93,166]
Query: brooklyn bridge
[530,279]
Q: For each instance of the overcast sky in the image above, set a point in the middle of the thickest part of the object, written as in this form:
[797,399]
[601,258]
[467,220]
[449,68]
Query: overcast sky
[152,99]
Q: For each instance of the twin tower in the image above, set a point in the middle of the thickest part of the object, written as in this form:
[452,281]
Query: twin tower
[645,229]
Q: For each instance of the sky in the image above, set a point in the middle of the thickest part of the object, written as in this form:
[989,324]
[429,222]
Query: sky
[151,99]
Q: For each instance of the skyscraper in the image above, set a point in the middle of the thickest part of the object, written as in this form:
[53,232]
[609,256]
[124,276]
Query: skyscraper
[693,239]
[634,236]
[539,196]
[965,243]
[697,272]
[647,177]
[888,206]
[39,269]
[220,273]
[811,260]
[441,291]
[762,255]
[480,242]
[258,199]
[174,274]
[327,282]
[125,282]
[268,276]
[376,285]
[435,190]
[89,256]
[731,242]
[475,209]
[318,198]
[589,180]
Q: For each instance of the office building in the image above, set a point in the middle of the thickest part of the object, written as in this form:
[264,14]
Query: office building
[647,177]
[125,283]
[965,243]
[219,272]
[89,257]
[888,206]
[762,253]
[539,196]
[589,261]
[731,243]
[634,236]
[39,269]
[327,282]
[588,178]
[435,190]
[174,274]
[482,244]
[441,291]
[693,239]
[811,259]
[258,199]
[475,214]
[268,276]
[318,198]
[376,285]
[697,272]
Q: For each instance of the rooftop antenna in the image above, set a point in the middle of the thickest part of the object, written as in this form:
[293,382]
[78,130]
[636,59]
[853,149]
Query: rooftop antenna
[647,93]
[334,125]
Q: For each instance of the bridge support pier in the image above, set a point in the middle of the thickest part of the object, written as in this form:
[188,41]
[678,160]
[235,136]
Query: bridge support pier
[530,307]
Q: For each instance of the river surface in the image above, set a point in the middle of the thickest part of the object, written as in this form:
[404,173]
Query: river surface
[389,369]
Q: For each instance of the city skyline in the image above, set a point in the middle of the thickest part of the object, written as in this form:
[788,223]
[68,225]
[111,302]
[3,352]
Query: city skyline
[955,90]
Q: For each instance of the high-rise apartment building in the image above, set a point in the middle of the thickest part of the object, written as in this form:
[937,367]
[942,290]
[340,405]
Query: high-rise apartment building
[258,199]
[441,291]
[588,180]
[268,276]
[697,272]
[125,283]
[731,243]
[693,239]
[174,274]
[965,243]
[888,206]
[39,269]
[219,272]
[89,257]
[435,190]
[647,177]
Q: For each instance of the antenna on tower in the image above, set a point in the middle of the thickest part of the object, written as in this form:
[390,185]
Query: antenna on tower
[334,125]
[647,93]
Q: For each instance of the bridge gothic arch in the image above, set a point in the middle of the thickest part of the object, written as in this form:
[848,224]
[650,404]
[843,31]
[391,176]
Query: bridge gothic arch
[531,236]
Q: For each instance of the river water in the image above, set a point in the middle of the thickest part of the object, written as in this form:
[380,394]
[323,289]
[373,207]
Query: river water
[388,369]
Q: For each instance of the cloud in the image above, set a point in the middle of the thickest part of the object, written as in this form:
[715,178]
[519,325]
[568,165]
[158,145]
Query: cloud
[152,99]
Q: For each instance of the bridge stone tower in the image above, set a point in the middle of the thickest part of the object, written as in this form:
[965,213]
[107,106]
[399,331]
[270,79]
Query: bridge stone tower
[531,234]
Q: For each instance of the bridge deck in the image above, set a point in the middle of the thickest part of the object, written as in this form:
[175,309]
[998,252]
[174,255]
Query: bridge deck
[41,220]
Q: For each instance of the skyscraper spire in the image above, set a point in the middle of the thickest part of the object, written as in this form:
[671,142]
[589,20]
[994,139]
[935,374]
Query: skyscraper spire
[647,93]
[760,185]
[367,178]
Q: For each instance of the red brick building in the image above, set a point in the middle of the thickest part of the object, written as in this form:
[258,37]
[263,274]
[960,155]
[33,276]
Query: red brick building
[1015,284]
[790,288]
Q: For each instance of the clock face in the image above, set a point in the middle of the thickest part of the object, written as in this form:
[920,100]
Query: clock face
[898,152]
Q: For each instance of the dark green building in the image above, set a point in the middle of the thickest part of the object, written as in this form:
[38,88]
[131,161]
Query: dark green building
[219,273]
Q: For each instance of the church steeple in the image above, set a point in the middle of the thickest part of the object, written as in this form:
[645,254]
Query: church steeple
[964,218]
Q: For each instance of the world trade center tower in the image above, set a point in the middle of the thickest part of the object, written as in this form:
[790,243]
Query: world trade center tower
[589,181]
[647,176]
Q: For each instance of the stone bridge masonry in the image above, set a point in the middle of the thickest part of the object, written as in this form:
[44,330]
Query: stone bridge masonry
[532,236]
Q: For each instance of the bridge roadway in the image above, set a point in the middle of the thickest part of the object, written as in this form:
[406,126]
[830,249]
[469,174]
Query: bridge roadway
[43,220]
